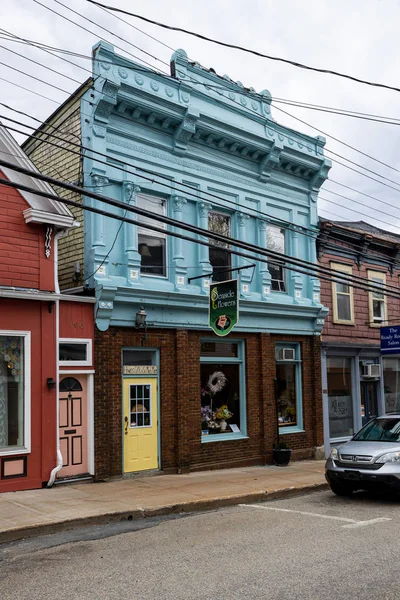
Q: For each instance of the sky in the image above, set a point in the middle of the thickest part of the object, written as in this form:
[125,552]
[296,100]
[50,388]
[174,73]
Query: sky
[355,37]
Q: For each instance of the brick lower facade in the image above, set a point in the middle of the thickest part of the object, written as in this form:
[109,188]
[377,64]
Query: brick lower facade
[181,448]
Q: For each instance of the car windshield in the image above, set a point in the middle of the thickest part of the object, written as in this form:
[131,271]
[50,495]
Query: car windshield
[380,430]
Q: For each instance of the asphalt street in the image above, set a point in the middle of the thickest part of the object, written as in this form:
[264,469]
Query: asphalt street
[316,546]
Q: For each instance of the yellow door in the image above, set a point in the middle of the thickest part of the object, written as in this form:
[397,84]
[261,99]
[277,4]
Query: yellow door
[140,424]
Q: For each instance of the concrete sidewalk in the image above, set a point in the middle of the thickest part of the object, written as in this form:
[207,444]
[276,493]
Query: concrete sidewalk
[36,512]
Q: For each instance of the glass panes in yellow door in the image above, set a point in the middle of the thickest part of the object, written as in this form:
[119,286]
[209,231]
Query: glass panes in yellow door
[140,406]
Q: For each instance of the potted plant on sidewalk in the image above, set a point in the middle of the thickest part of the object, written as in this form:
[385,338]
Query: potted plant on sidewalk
[282,453]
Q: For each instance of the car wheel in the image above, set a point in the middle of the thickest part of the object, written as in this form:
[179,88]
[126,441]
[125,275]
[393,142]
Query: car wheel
[341,489]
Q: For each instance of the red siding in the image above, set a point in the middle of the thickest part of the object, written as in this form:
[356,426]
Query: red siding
[22,259]
[33,316]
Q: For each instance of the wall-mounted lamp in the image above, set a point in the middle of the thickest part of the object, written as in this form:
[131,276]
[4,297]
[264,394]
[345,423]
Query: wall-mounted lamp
[51,384]
[140,318]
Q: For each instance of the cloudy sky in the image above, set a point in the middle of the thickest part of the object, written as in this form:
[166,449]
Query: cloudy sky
[356,37]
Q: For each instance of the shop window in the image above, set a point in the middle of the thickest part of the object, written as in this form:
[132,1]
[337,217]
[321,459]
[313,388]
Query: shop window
[75,352]
[340,400]
[219,252]
[222,391]
[391,381]
[152,245]
[342,297]
[14,392]
[276,242]
[377,300]
[288,392]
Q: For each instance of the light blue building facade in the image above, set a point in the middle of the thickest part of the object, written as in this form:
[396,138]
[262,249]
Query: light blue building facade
[203,150]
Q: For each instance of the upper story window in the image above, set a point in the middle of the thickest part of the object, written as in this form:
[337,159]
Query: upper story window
[342,297]
[152,245]
[219,253]
[377,300]
[276,242]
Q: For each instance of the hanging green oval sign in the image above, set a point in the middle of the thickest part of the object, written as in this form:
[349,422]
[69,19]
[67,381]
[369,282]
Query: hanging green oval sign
[223,306]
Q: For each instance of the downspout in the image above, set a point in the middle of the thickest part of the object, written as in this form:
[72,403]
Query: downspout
[59,465]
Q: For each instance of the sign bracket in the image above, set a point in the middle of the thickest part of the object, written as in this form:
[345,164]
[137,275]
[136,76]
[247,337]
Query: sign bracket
[223,272]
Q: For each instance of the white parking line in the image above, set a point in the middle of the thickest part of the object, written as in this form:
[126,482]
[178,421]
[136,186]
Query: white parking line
[353,523]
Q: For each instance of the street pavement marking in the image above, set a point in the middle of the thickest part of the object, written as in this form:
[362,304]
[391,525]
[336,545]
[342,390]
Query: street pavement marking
[353,522]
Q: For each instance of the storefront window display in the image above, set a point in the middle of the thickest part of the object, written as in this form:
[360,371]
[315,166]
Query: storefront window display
[222,401]
[340,401]
[12,398]
[288,386]
[391,380]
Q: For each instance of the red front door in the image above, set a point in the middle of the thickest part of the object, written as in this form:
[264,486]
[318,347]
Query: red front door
[73,428]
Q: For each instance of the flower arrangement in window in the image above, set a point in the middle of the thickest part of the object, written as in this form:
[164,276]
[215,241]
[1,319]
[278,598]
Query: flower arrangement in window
[223,413]
[214,420]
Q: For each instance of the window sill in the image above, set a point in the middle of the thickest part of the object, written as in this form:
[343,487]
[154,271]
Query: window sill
[285,430]
[337,322]
[14,451]
[221,437]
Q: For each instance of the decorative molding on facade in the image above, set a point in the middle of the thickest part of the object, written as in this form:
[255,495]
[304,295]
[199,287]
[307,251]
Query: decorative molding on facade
[105,306]
[185,131]
[47,241]
[270,161]
[275,189]
[178,203]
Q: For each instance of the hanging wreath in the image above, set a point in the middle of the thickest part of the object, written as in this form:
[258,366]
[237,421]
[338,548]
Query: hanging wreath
[216,382]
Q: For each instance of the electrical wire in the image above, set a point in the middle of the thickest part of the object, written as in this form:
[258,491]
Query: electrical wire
[243,49]
[283,111]
[284,224]
[300,104]
[276,257]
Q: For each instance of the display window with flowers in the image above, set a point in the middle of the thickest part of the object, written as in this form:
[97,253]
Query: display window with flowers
[222,403]
[288,393]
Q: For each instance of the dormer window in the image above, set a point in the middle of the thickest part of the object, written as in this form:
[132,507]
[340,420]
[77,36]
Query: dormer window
[152,245]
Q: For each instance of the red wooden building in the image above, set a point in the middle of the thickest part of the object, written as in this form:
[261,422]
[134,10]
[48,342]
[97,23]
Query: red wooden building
[36,323]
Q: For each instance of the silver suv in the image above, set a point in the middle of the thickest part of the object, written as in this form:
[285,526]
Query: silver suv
[370,460]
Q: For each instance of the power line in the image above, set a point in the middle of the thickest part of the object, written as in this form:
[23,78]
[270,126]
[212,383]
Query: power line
[195,192]
[243,49]
[283,224]
[279,257]
[285,112]
[88,30]
[300,104]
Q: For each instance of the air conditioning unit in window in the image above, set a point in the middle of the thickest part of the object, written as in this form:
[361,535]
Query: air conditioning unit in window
[372,370]
[286,354]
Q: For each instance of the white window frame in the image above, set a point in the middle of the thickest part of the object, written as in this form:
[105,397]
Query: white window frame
[142,229]
[376,277]
[76,363]
[348,269]
[26,448]
[271,226]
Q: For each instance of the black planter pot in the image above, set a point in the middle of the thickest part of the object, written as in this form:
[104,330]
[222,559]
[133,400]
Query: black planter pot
[282,456]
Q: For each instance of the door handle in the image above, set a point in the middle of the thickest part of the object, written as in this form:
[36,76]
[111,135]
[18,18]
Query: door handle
[126,425]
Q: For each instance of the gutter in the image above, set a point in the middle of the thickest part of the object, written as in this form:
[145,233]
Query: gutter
[43,296]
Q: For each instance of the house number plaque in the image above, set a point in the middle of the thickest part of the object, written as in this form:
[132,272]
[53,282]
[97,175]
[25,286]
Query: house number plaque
[140,370]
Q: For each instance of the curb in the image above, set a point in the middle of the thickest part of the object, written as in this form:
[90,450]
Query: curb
[13,535]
